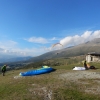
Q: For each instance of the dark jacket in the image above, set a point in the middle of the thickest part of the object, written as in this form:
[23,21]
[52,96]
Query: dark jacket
[3,68]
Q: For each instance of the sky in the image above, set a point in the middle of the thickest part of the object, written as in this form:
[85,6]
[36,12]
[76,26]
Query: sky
[32,27]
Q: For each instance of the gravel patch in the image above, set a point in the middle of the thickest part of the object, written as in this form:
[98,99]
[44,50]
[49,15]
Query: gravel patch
[75,75]
[87,74]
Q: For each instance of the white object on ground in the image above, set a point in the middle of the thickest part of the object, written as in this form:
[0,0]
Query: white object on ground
[78,68]
[16,77]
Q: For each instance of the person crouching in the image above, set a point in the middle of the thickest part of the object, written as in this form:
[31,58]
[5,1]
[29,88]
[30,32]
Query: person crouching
[85,65]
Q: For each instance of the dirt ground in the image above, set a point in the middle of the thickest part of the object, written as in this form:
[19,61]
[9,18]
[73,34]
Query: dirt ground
[75,75]
[88,79]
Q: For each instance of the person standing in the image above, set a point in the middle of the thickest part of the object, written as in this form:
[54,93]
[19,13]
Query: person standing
[3,69]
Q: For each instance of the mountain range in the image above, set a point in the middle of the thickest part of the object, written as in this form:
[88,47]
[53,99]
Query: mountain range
[14,59]
[81,49]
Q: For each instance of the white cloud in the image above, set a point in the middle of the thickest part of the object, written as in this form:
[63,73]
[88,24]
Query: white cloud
[30,52]
[96,34]
[10,48]
[15,52]
[37,40]
[74,40]
[41,40]
[54,38]
[7,44]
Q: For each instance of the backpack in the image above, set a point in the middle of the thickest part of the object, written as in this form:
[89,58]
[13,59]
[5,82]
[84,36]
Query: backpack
[92,67]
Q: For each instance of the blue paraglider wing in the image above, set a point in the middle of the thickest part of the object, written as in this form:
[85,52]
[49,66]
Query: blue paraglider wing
[37,71]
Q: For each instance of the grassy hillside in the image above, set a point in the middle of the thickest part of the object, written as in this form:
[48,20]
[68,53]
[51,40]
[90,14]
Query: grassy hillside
[50,86]
[64,61]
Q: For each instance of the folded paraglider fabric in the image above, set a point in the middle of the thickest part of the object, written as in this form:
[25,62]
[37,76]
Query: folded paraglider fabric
[79,68]
[37,71]
[45,67]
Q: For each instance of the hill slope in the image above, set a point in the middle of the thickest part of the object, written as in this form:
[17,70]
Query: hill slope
[81,49]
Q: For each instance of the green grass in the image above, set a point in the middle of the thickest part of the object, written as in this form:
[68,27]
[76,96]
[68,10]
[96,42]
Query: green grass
[46,86]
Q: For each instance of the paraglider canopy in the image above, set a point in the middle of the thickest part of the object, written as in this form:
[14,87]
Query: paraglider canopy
[57,44]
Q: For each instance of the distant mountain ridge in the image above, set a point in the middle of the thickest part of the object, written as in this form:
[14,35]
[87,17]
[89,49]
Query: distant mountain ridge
[81,49]
[15,59]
